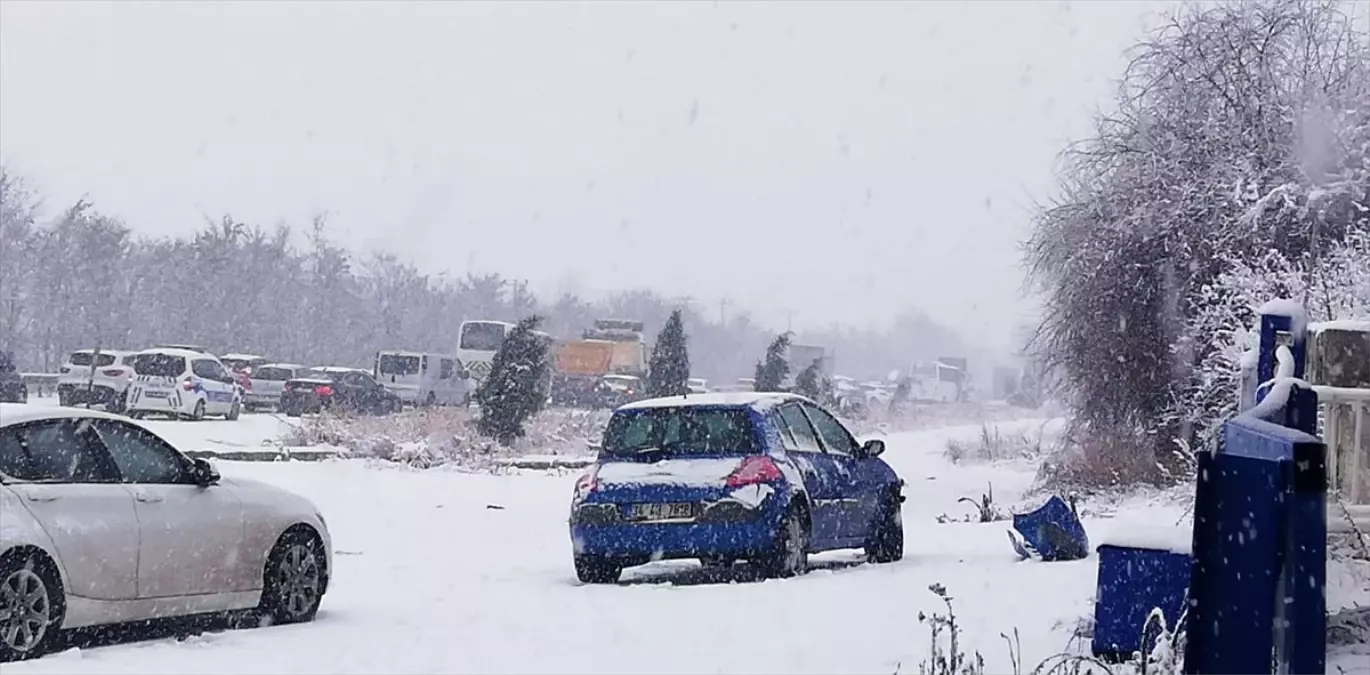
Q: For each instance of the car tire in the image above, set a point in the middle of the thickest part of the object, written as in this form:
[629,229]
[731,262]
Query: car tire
[886,544]
[293,412]
[432,400]
[789,554]
[294,579]
[234,411]
[199,413]
[598,570]
[29,581]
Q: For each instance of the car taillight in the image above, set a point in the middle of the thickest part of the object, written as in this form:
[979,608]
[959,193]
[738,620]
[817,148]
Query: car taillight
[188,383]
[113,372]
[323,390]
[587,483]
[754,470]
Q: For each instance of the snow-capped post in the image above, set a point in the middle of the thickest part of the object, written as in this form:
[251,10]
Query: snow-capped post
[1282,356]
[1260,523]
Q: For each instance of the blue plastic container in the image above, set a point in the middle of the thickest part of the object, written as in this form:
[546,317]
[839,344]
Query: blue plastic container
[1132,582]
[1053,530]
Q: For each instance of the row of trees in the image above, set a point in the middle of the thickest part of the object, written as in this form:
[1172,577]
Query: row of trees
[1235,168]
[82,278]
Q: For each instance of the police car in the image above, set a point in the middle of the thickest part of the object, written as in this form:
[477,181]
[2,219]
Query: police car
[182,384]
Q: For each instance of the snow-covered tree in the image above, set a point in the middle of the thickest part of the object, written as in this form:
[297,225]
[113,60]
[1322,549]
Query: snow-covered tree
[1239,128]
[771,371]
[513,392]
[669,373]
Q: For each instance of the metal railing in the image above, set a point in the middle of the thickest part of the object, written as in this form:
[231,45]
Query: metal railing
[1345,416]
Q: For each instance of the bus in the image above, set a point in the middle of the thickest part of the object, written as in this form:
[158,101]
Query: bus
[477,344]
[480,340]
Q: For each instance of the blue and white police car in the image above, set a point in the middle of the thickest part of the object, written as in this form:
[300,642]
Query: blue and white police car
[769,478]
[182,384]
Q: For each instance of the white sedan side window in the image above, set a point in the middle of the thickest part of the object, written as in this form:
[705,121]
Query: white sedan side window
[140,456]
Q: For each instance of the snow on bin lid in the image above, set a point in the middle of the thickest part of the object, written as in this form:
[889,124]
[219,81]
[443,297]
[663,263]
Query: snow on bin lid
[1175,539]
[1298,316]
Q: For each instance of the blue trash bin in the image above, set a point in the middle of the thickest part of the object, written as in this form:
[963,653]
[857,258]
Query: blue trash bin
[1132,582]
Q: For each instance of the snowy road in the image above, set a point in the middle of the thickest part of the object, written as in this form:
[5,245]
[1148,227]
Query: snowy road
[431,578]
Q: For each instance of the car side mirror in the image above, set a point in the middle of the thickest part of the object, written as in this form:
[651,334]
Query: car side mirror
[873,448]
[205,473]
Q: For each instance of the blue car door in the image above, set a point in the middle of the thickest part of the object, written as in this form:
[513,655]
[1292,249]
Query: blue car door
[820,479]
[859,495]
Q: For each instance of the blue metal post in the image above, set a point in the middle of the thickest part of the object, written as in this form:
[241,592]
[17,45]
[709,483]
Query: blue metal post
[1278,329]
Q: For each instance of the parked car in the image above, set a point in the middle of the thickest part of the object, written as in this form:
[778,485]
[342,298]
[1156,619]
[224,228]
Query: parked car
[107,385]
[183,384]
[105,522]
[616,390]
[766,477]
[698,385]
[337,389]
[12,387]
[268,382]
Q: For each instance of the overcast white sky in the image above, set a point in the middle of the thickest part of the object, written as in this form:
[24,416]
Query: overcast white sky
[842,160]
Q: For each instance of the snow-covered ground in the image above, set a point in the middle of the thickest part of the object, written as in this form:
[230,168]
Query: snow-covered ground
[445,571]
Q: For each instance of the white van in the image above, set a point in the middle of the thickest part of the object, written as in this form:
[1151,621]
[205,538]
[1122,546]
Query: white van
[182,384]
[423,379]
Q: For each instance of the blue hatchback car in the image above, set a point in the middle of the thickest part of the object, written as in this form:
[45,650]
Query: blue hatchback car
[769,478]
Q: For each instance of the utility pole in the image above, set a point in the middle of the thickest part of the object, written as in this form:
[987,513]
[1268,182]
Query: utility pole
[723,304]
[789,320]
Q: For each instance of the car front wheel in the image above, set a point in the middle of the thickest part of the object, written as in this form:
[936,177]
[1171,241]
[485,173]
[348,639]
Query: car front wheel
[294,578]
[31,605]
[886,544]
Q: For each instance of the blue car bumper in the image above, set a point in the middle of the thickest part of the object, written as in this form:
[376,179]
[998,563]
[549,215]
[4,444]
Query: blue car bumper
[654,541]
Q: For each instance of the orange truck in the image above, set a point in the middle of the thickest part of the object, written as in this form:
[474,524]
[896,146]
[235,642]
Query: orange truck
[578,368]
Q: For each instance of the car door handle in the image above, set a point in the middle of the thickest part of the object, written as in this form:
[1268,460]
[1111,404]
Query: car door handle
[147,497]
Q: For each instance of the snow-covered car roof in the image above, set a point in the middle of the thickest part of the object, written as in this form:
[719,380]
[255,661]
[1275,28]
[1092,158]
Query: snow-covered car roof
[112,352]
[750,399]
[287,366]
[19,413]
[241,357]
[177,351]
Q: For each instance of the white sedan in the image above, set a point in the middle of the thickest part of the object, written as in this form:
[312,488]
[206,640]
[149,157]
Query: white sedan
[103,522]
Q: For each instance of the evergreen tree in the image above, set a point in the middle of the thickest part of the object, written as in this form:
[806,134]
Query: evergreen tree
[771,373]
[670,365]
[808,382]
[514,392]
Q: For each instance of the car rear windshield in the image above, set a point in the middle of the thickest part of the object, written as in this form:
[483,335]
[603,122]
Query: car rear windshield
[84,359]
[160,365]
[394,364]
[271,373]
[684,430]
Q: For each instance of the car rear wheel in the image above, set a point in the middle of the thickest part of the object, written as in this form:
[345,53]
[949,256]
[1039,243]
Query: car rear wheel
[294,578]
[789,555]
[598,570]
[886,544]
[199,412]
[31,605]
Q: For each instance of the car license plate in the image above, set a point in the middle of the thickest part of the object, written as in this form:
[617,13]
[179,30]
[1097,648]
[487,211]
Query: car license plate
[156,394]
[663,511]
